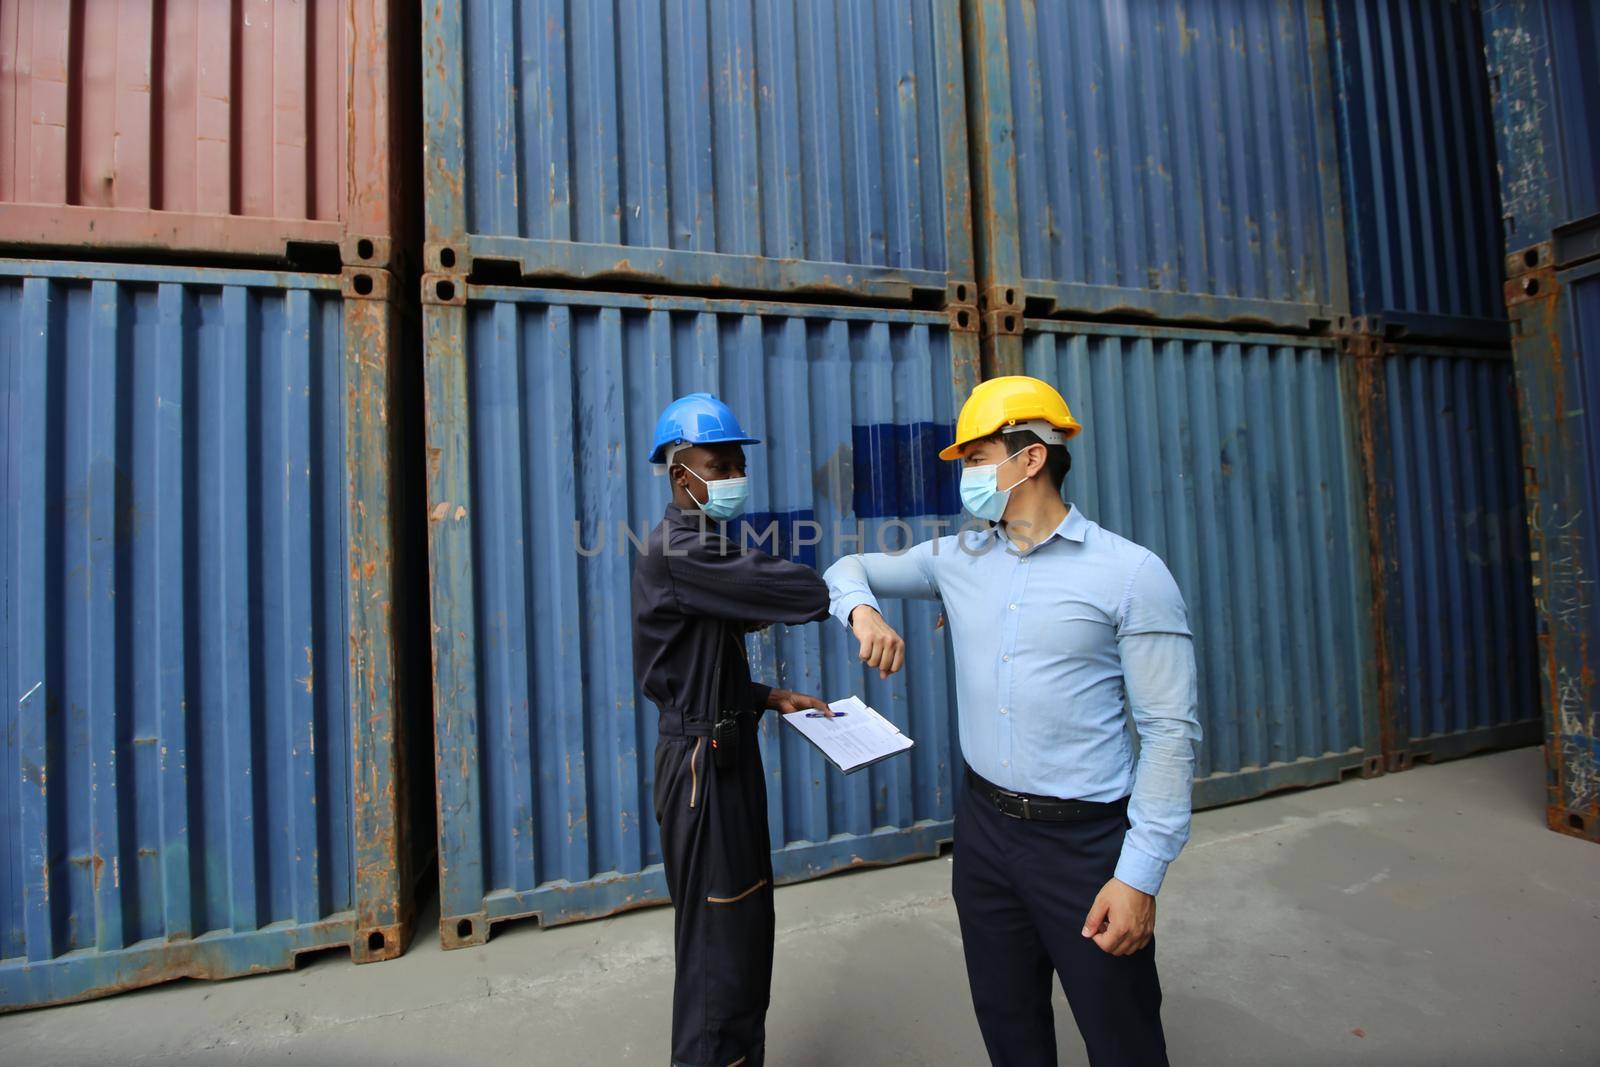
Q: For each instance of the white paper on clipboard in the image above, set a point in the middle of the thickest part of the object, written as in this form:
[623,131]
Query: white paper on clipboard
[856,737]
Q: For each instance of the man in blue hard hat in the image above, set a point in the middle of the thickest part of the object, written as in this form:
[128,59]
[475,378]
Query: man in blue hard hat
[695,595]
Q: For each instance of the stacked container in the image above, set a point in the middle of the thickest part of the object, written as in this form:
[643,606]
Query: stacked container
[1268,198]
[766,199]
[1219,229]
[1252,243]
[208,591]
[1427,344]
[1174,169]
[1547,94]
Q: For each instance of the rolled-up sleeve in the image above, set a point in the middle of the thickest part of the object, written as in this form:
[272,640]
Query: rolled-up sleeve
[861,579]
[1158,668]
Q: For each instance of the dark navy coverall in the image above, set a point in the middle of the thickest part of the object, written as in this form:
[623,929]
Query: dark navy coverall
[694,594]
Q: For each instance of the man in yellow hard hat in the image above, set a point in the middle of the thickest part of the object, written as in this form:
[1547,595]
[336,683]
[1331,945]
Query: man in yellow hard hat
[1061,841]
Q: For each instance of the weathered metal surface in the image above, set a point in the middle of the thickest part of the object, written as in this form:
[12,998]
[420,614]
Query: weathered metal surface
[1416,142]
[1556,327]
[1168,160]
[1230,456]
[744,145]
[1546,94]
[1448,528]
[539,410]
[239,128]
[199,722]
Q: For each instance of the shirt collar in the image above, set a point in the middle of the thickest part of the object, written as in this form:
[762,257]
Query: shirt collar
[684,517]
[1072,528]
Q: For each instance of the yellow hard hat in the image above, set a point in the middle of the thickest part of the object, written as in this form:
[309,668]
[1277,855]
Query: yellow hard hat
[1012,401]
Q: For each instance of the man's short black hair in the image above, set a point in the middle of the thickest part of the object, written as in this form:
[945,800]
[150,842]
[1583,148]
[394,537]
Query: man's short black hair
[1057,460]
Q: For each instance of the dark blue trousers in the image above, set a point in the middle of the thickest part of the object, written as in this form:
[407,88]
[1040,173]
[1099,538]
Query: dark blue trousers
[1022,890]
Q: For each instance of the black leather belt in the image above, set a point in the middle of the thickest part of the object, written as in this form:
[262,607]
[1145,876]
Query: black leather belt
[1043,809]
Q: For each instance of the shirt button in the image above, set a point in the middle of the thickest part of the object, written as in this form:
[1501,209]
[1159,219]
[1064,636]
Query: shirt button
[1005,763]
[1006,658]
[1013,607]
[1005,711]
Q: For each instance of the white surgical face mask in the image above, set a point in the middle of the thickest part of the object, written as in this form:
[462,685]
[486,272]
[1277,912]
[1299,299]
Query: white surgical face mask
[725,498]
[981,494]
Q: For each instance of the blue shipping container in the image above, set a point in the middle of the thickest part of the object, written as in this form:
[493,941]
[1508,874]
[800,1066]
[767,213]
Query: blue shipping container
[540,410]
[200,749]
[1169,160]
[1546,95]
[1450,543]
[747,145]
[1231,457]
[1571,606]
[1556,350]
[1416,140]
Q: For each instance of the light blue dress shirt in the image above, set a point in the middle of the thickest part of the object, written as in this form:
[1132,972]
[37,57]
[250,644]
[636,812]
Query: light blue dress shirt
[1049,638]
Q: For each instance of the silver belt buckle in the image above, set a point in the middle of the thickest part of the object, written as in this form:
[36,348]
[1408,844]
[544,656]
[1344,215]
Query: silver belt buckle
[1027,812]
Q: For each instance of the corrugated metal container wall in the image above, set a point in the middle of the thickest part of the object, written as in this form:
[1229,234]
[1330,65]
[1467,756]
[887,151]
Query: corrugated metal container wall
[742,144]
[1563,390]
[1417,145]
[540,410]
[1168,159]
[1450,541]
[1230,456]
[200,738]
[238,128]
[1547,92]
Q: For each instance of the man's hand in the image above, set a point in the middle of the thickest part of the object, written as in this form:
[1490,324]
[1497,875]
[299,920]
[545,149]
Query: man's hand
[881,647]
[789,702]
[1122,920]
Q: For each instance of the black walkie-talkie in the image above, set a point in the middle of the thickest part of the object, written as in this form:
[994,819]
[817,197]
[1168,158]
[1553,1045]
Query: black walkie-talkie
[725,729]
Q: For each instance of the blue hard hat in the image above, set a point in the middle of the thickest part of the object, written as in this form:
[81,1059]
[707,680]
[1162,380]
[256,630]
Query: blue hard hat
[697,419]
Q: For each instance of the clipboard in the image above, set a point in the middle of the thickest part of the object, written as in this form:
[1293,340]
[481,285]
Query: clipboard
[856,738]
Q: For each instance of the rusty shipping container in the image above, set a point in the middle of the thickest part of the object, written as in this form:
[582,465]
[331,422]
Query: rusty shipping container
[748,146]
[260,128]
[205,609]
[1546,96]
[1556,336]
[1453,618]
[539,409]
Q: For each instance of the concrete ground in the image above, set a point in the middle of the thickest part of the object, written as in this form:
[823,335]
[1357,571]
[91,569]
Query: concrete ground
[1423,918]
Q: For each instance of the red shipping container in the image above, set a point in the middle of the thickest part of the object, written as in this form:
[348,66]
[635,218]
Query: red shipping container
[233,127]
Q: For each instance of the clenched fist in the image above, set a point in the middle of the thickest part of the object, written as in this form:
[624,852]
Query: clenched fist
[881,647]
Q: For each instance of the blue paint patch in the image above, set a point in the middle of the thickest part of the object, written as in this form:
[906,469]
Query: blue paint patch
[790,535]
[898,472]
